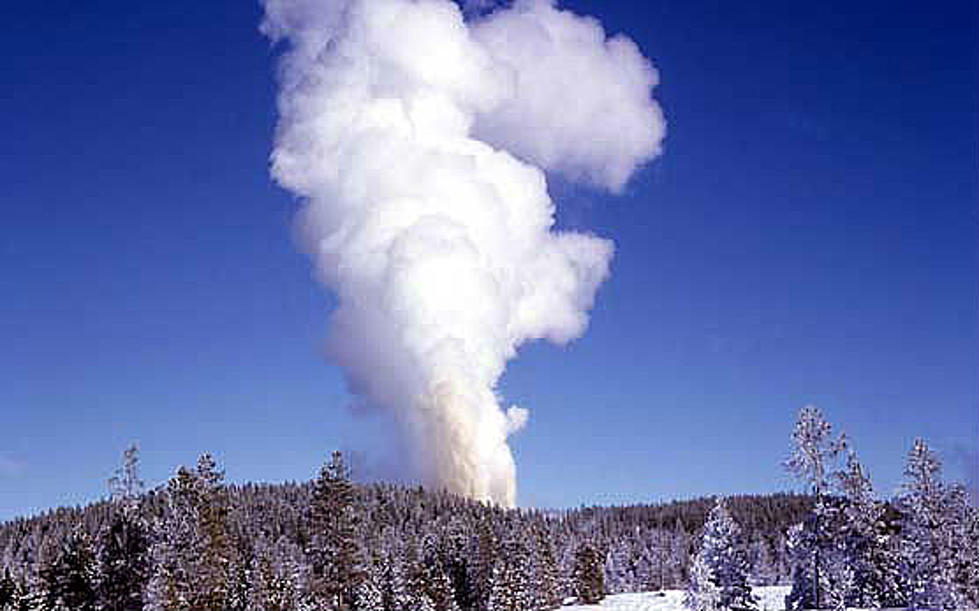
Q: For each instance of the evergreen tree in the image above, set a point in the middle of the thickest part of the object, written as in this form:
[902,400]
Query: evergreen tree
[864,572]
[547,593]
[334,552]
[814,450]
[69,582]
[927,527]
[487,554]
[122,561]
[724,561]
[368,595]
[703,593]
[394,590]
[217,564]
[510,588]
[589,574]
[193,555]
[8,591]
[123,543]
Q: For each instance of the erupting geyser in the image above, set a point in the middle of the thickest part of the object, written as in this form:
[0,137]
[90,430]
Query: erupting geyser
[417,143]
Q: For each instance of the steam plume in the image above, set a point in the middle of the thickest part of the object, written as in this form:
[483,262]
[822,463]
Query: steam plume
[417,143]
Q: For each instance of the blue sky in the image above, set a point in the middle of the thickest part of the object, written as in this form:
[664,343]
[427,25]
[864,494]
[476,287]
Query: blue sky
[809,236]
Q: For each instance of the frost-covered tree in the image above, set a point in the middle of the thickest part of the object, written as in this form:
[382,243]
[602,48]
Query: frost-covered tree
[275,580]
[862,568]
[69,581]
[335,554]
[929,529]
[723,561]
[8,590]
[969,565]
[703,593]
[368,596]
[510,587]
[193,556]
[589,574]
[814,452]
[123,543]
[394,588]
[122,560]
[546,576]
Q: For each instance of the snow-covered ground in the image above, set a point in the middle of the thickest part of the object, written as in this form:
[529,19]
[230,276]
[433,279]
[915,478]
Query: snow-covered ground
[770,598]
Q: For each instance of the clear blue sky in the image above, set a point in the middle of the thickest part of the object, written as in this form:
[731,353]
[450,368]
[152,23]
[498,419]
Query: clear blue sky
[809,236]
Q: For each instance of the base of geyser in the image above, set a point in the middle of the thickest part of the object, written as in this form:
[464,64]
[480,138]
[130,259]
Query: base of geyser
[462,439]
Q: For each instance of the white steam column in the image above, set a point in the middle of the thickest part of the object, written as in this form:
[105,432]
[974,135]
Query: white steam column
[417,142]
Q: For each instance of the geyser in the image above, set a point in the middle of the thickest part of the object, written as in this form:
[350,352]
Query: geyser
[417,143]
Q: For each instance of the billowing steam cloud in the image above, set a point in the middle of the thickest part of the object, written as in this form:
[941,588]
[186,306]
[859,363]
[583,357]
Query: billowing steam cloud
[417,143]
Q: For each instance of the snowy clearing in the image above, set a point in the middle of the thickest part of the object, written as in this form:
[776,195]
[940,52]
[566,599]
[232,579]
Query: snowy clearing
[770,598]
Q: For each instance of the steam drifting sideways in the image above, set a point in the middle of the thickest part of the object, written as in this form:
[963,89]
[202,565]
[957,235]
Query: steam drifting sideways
[417,143]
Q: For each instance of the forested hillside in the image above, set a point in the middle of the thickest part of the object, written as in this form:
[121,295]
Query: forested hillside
[396,542]
[330,544]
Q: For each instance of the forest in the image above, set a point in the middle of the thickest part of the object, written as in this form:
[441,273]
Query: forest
[198,543]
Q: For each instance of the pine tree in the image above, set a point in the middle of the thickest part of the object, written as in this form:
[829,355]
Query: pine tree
[703,593]
[510,583]
[217,562]
[277,579]
[8,590]
[864,572]
[123,543]
[969,567]
[486,558]
[193,556]
[811,460]
[368,595]
[725,563]
[928,567]
[394,590]
[589,574]
[122,561]
[69,582]
[547,591]
[334,552]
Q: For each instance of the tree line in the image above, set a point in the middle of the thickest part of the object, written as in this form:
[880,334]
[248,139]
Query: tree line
[199,543]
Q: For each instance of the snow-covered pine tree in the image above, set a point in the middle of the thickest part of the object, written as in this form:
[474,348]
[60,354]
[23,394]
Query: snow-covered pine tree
[813,453]
[864,572]
[510,586]
[929,571]
[723,553]
[702,594]
[192,554]
[969,570]
[546,579]
[69,581]
[417,590]
[368,594]
[334,550]
[800,546]
[123,543]
[122,560]
[589,574]
[274,586]
[8,590]
[215,574]
[394,589]
[487,552]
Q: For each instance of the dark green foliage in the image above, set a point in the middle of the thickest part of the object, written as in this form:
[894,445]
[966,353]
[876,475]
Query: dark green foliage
[332,544]
[123,562]
[589,574]
[8,590]
[334,551]
[69,580]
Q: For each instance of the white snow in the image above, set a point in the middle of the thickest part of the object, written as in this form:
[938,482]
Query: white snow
[770,598]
